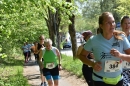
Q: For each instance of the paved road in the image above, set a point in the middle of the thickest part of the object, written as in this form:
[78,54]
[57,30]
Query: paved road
[68,51]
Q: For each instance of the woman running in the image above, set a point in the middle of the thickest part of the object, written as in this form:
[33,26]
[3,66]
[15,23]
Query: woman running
[125,25]
[108,48]
[50,65]
[86,70]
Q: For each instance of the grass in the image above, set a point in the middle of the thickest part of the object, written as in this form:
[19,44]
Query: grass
[11,72]
[74,66]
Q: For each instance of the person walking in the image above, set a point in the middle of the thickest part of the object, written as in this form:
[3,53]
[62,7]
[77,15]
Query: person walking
[50,65]
[29,51]
[86,70]
[39,46]
[108,48]
[25,52]
[125,25]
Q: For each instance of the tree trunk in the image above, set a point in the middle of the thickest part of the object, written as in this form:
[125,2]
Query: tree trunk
[72,35]
[53,23]
[50,25]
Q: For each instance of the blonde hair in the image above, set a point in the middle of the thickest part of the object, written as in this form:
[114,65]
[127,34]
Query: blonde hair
[48,41]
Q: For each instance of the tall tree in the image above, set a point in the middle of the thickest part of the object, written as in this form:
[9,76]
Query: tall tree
[53,12]
[72,32]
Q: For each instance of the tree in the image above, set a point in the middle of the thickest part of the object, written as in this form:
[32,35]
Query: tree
[110,5]
[18,23]
[123,7]
[72,32]
[90,12]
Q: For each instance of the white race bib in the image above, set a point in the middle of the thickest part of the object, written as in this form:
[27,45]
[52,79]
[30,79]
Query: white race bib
[125,64]
[50,65]
[112,66]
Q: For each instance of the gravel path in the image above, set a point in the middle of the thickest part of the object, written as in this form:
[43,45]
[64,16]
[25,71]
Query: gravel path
[31,72]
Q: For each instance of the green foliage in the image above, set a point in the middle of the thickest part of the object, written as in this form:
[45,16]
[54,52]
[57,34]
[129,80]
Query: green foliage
[74,66]
[11,72]
[90,10]
[123,7]
[20,21]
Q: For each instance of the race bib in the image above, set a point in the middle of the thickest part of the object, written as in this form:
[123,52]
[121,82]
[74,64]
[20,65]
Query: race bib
[126,64]
[112,66]
[50,65]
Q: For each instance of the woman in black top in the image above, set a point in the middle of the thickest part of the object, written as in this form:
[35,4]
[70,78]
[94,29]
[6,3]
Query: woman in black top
[39,46]
[86,70]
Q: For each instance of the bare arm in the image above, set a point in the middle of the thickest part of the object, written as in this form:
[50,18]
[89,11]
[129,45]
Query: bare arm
[36,48]
[58,55]
[80,48]
[125,56]
[82,56]
[95,65]
[40,58]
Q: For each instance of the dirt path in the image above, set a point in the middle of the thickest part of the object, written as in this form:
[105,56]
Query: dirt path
[31,71]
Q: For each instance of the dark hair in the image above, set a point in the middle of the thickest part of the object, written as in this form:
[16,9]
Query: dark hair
[86,34]
[116,33]
[98,31]
[123,18]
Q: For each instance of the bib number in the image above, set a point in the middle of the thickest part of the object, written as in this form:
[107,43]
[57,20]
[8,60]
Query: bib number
[50,65]
[112,66]
[126,64]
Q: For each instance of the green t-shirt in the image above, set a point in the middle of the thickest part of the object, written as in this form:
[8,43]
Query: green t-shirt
[49,56]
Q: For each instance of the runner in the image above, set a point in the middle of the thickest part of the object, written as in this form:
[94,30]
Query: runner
[108,47]
[25,52]
[39,46]
[86,70]
[29,50]
[125,24]
[33,48]
[50,67]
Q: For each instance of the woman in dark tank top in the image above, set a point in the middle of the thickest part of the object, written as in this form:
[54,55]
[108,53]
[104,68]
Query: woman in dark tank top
[86,70]
[38,47]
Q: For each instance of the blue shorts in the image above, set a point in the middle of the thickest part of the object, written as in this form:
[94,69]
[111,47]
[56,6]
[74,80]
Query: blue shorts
[51,73]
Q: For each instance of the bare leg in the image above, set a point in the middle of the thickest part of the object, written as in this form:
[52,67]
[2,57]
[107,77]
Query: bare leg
[50,82]
[56,82]
[42,78]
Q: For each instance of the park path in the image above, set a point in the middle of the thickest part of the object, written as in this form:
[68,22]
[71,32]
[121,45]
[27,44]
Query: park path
[31,72]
